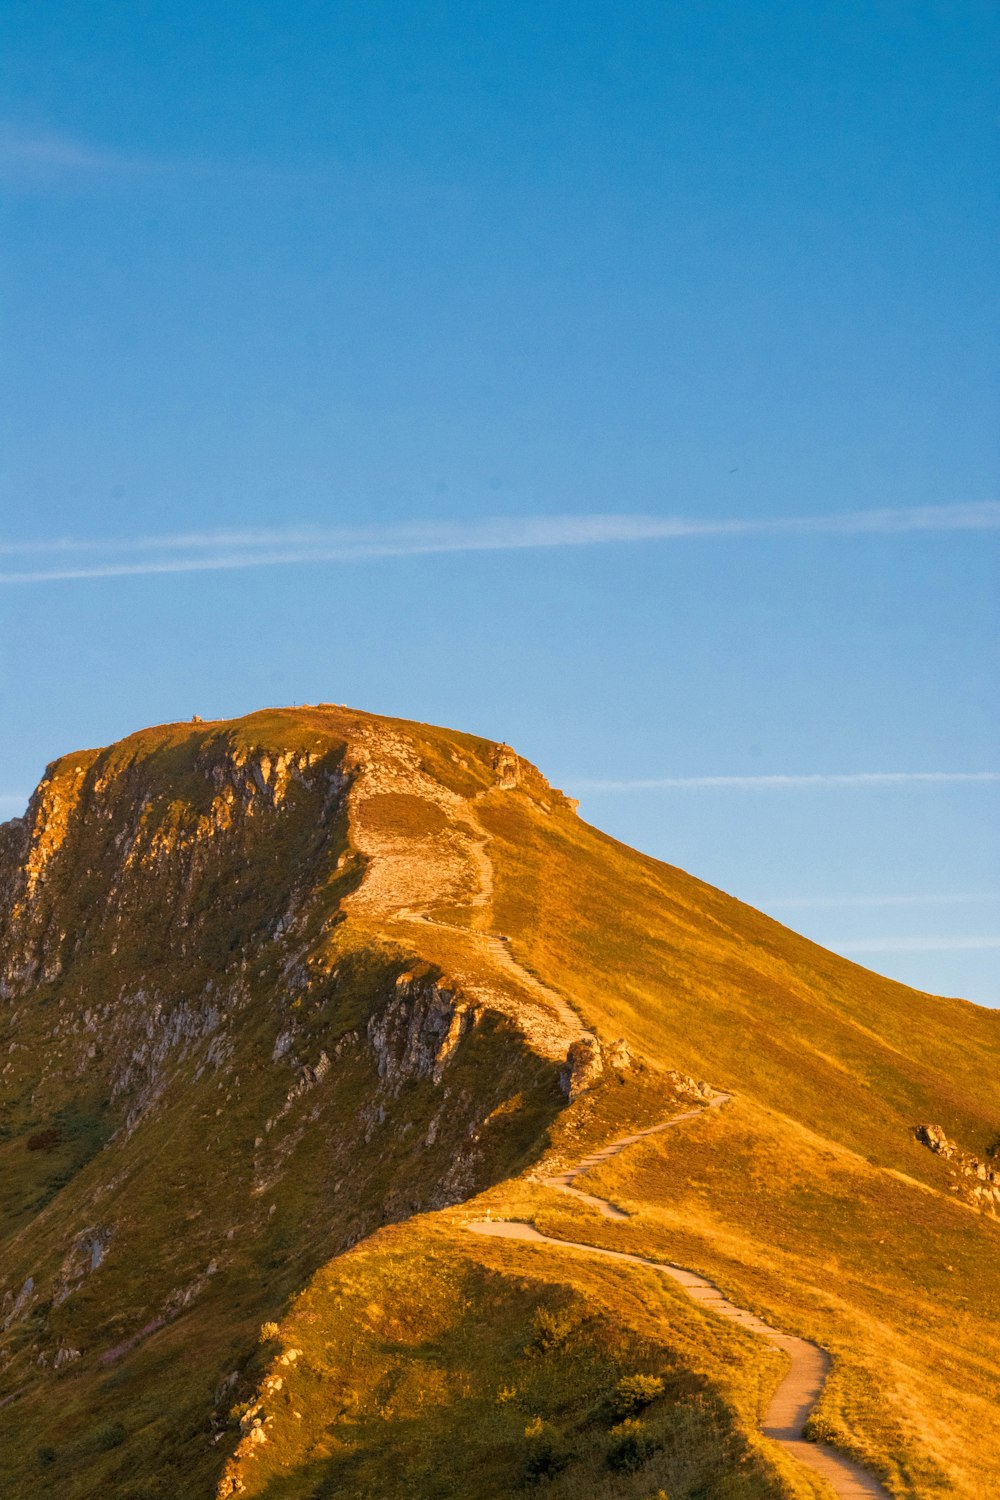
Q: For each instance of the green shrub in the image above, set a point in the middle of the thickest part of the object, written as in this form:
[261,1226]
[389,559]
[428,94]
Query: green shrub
[819,1429]
[634,1393]
[238,1412]
[632,1448]
[109,1435]
[547,1459]
[554,1327]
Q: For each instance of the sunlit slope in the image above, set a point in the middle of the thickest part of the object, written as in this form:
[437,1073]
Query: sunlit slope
[808,1198]
[270,984]
[899,1282]
[212,1081]
[429,1363]
[694,977]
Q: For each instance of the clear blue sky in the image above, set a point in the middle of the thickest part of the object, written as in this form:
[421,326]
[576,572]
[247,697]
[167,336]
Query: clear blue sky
[513,366]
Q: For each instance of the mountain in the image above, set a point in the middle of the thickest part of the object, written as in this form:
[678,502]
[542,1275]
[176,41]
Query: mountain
[308,1021]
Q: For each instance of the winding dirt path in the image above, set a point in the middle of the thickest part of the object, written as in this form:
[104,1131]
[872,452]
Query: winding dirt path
[498,949]
[564,1180]
[411,875]
[809,1365]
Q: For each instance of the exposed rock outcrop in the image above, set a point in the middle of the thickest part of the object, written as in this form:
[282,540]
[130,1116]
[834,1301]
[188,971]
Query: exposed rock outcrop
[506,766]
[103,830]
[971,1178]
[85,1256]
[619,1055]
[686,1087]
[13,1305]
[417,1032]
[584,1066]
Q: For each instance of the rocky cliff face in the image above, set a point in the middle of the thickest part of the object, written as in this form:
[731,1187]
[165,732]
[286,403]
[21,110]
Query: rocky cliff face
[160,842]
[208,1066]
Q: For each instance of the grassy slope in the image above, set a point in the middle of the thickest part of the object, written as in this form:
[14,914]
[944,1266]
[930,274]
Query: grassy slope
[788,1199]
[808,1197]
[431,1364]
[201,1180]
[693,976]
[902,1285]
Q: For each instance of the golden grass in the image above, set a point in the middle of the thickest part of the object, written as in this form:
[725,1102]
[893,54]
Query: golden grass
[902,1287]
[806,1198]
[430,1363]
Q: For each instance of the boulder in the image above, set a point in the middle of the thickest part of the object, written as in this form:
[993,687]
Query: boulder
[583,1067]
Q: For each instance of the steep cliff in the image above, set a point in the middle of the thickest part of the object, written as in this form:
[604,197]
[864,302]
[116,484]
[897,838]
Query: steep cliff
[213,1081]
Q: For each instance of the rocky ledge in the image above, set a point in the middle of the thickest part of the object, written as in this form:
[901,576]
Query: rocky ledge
[970,1177]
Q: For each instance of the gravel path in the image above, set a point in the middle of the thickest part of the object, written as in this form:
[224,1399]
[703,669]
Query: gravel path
[809,1365]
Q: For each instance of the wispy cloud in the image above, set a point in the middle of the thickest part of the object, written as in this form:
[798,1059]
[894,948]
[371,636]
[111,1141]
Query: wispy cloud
[917,945]
[853,779]
[27,150]
[34,158]
[823,903]
[66,558]
[41,160]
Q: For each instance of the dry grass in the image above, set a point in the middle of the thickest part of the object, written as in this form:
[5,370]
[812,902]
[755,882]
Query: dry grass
[807,1198]
[902,1286]
[430,1364]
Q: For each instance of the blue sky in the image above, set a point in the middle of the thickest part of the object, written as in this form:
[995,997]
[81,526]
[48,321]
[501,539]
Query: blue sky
[620,380]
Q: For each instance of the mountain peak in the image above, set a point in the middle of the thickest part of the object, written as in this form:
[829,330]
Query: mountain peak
[289,1002]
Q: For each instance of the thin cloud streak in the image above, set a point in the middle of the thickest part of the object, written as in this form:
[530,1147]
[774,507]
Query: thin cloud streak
[39,160]
[855,779]
[49,152]
[824,903]
[917,945]
[193,552]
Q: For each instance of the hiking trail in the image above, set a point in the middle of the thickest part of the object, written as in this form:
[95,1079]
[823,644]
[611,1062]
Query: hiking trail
[800,1389]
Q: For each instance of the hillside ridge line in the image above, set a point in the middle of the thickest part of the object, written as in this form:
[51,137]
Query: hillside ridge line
[796,1394]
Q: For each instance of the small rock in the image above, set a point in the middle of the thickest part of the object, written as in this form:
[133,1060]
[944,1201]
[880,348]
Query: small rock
[934,1137]
[619,1055]
[583,1067]
[506,767]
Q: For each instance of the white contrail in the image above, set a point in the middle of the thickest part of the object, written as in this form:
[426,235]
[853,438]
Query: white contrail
[204,551]
[916,945]
[822,903]
[783,783]
[44,153]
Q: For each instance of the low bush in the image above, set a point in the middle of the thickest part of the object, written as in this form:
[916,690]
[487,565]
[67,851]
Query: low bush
[109,1435]
[632,1447]
[547,1459]
[634,1393]
[554,1327]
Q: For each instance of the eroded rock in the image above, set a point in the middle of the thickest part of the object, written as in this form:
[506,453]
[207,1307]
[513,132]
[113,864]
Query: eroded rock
[686,1087]
[506,767]
[417,1032]
[583,1067]
[620,1055]
[970,1177]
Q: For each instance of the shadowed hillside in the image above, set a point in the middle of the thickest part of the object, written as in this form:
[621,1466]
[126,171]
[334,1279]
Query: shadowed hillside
[290,1003]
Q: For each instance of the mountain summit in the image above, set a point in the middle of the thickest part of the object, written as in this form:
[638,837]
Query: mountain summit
[355,1097]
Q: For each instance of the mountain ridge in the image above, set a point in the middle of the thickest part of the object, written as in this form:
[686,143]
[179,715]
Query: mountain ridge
[312,972]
